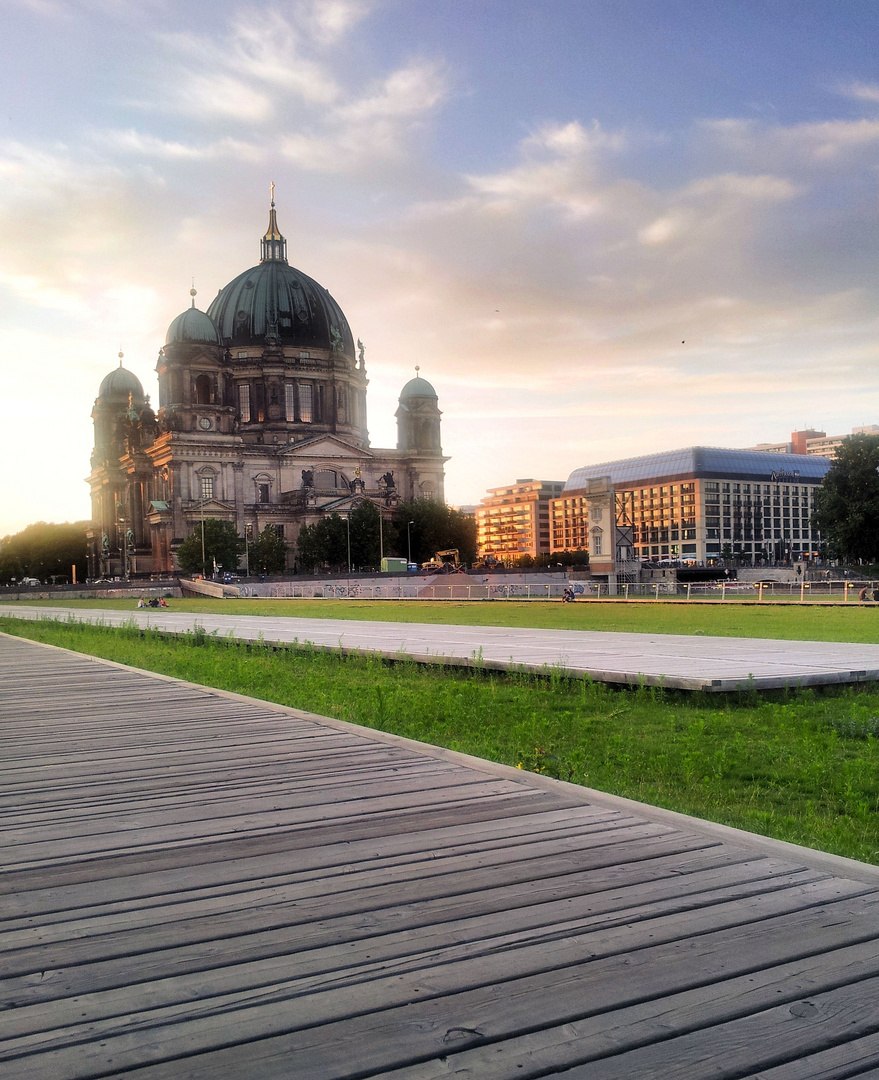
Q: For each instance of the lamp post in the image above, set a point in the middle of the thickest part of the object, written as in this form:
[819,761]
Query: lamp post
[381,539]
[203,561]
[348,527]
[409,542]
[120,513]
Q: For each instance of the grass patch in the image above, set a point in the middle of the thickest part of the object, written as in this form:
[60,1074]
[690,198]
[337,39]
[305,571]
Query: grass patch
[853,622]
[800,766]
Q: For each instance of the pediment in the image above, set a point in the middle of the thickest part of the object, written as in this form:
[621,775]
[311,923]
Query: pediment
[326,447]
[208,507]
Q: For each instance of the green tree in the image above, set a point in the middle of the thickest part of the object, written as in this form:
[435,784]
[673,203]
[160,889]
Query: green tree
[323,544]
[847,503]
[268,553]
[366,549]
[45,550]
[222,547]
[434,527]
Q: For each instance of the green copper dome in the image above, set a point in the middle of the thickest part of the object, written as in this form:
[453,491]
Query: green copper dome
[273,303]
[417,387]
[116,387]
[192,327]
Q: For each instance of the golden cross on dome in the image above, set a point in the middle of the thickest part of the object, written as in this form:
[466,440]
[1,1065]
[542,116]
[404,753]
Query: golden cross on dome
[272,190]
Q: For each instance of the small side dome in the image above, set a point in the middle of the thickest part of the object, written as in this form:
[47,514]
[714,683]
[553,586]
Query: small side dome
[417,387]
[192,327]
[118,385]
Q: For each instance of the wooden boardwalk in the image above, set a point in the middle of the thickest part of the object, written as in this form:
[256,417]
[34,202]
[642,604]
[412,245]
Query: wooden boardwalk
[713,664]
[196,885]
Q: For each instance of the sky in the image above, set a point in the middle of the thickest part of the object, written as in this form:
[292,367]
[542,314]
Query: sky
[600,228]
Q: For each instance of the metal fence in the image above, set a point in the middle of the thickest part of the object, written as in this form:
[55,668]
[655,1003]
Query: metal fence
[725,591]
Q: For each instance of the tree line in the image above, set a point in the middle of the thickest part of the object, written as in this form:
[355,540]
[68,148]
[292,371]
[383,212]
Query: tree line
[416,532]
[45,550]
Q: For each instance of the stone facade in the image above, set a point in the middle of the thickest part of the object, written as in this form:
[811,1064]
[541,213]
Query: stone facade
[261,421]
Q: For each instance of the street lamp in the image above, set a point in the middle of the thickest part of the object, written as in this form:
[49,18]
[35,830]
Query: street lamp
[348,527]
[409,542]
[203,560]
[120,513]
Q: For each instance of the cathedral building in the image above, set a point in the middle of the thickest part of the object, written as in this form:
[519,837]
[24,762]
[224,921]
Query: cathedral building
[261,421]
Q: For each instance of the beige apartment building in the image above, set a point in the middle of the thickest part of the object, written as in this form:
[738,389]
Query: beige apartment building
[513,521]
[814,442]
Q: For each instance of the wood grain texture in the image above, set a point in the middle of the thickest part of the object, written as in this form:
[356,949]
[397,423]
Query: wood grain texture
[194,886]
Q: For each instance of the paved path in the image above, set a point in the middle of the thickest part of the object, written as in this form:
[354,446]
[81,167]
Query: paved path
[689,663]
[198,886]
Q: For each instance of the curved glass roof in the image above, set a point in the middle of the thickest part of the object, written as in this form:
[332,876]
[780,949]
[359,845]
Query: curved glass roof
[707,462]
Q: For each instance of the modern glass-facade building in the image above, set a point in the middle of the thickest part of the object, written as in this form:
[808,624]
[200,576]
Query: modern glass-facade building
[703,503]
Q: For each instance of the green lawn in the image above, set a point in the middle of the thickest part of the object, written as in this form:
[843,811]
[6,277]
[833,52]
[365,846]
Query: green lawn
[851,622]
[800,766]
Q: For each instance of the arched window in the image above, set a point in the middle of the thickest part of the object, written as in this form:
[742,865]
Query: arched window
[326,480]
[203,390]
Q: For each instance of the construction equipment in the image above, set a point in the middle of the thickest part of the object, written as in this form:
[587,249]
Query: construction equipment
[488,562]
[444,562]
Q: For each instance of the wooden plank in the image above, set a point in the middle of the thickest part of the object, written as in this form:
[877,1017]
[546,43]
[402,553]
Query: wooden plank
[342,1029]
[211,850]
[396,848]
[264,957]
[360,956]
[474,892]
[556,1049]
[334,867]
[51,851]
[235,893]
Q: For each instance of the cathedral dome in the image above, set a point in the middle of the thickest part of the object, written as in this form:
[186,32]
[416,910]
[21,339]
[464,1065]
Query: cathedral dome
[192,327]
[116,387]
[274,303]
[417,387]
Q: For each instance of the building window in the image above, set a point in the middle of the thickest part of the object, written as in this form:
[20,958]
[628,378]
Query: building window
[262,493]
[203,390]
[290,401]
[244,403]
[207,487]
[306,403]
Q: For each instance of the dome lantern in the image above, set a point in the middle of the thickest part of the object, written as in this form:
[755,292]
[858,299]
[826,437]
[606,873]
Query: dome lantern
[273,246]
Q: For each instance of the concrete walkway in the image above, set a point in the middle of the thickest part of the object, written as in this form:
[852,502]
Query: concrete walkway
[675,661]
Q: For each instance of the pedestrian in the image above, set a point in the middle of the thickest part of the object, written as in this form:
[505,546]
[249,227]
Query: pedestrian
[863,594]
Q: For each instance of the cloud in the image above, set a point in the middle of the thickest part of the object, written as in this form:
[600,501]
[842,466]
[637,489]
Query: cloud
[281,73]
[861,91]
[823,142]
[131,141]
[560,168]
[375,127]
